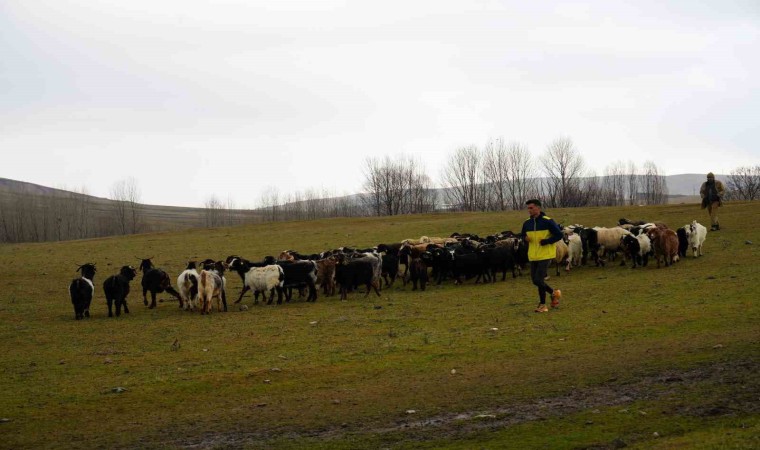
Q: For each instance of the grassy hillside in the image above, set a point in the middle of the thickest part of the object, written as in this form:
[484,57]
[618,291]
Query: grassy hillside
[646,358]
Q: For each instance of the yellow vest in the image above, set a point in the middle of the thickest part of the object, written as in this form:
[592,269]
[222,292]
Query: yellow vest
[536,230]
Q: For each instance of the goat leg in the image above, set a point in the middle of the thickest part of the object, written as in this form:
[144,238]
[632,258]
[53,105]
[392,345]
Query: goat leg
[246,288]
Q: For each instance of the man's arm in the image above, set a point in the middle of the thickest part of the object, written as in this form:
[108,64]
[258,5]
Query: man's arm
[555,231]
[720,188]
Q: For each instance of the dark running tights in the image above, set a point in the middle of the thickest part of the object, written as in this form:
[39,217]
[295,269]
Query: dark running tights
[537,274]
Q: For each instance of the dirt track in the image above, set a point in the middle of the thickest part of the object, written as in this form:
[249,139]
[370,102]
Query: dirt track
[459,424]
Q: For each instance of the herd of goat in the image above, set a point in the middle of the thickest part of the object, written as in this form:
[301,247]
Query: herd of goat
[459,257]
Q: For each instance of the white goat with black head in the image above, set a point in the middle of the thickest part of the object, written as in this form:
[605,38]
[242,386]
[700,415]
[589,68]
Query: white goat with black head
[187,286]
[82,290]
[266,279]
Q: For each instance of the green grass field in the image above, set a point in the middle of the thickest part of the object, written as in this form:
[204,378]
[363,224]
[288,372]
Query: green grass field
[645,358]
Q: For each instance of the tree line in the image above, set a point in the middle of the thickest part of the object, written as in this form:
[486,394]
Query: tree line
[502,176]
[744,183]
[35,215]
[498,177]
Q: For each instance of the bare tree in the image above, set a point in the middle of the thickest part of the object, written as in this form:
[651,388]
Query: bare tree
[126,207]
[213,211]
[391,186]
[423,197]
[395,186]
[314,204]
[462,178]
[632,183]
[521,175]
[589,192]
[562,165]
[373,185]
[613,185]
[496,175]
[744,183]
[81,211]
[134,196]
[270,202]
[654,186]
[118,195]
[230,208]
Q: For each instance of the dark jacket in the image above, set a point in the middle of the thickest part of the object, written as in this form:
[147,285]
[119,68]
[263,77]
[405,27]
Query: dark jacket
[711,191]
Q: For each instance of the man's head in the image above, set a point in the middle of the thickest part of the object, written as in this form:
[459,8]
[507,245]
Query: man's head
[534,207]
[710,176]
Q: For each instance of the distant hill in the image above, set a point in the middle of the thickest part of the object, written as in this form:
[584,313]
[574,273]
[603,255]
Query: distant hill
[689,183]
[31,212]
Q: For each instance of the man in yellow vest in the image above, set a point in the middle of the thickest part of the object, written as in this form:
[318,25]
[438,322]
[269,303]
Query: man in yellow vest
[541,232]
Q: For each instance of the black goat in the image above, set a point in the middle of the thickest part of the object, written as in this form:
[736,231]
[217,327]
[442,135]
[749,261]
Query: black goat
[499,259]
[683,242]
[116,288]
[82,290]
[299,274]
[418,269]
[468,264]
[441,260]
[395,250]
[156,281]
[624,221]
[354,272]
[390,263]
[590,244]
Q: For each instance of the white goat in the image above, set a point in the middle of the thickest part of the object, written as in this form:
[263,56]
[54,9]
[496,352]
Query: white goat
[266,279]
[211,287]
[697,233]
[187,286]
[575,250]
[608,240]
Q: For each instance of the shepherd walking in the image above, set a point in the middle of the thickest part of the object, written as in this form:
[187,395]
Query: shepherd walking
[712,192]
[541,232]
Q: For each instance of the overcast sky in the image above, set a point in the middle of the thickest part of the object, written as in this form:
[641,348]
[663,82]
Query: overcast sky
[226,98]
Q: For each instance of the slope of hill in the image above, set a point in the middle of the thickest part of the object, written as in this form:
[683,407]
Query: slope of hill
[688,183]
[39,213]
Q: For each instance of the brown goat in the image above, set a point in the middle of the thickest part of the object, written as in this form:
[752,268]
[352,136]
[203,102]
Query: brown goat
[326,275]
[286,255]
[665,244]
